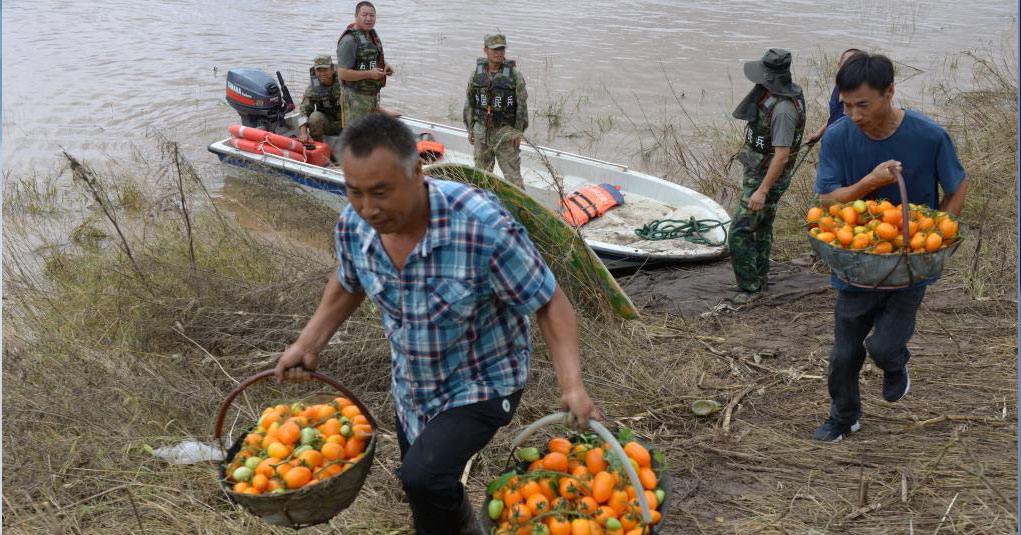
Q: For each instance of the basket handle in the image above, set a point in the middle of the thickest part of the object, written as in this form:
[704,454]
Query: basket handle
[564,418]
[262,376]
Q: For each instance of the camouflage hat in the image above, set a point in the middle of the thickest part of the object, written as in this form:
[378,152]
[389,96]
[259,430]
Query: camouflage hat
[494,40]
[773,72]
[323,61]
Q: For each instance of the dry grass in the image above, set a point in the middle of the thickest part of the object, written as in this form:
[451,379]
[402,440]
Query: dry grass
[106,355]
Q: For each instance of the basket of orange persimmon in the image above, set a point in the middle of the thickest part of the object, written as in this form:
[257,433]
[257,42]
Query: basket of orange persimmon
[302,463]
[876,244]
[590,483]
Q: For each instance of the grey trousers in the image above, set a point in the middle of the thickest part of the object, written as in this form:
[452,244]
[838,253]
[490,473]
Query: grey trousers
[890,317]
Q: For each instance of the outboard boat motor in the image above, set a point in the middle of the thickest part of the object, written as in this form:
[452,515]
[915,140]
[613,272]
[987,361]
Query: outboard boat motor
[258,99]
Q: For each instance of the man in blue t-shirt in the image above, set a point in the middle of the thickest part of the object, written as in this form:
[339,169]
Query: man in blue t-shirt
[860,155]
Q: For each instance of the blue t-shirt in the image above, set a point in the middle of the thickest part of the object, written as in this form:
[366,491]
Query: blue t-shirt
[836,107]
[923,147]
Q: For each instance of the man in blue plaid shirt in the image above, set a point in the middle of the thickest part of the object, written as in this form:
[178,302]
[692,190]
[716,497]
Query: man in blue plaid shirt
[455,279]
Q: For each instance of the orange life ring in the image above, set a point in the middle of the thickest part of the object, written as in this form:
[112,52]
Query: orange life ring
[589,203]
[255,134]
[319,156]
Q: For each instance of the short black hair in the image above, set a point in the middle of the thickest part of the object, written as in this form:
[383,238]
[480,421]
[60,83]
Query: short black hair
[874,70]
[360,5]
[380,130]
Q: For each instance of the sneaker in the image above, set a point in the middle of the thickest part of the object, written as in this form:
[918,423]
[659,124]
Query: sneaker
[896,385]
[831,431]
[743,298]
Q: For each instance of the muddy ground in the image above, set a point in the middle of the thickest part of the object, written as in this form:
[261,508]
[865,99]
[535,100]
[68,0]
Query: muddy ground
[941,460]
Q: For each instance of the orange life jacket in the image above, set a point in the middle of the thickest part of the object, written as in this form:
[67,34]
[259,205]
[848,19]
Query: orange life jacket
[430,151]
[589,203]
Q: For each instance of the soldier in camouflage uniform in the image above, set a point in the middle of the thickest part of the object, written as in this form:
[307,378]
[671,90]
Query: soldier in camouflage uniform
[496,110]
[775,111]
[361,66]
[321,101]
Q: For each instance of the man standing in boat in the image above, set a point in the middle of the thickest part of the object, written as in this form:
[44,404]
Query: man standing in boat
[775,111]
[496,110]
[360,65]
[455,279]
[321,101]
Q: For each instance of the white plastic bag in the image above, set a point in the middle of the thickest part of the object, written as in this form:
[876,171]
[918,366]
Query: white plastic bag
[189,452]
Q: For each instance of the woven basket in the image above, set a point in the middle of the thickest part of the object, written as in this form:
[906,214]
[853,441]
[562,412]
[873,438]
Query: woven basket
[309,505]
[889,271]
[662,475]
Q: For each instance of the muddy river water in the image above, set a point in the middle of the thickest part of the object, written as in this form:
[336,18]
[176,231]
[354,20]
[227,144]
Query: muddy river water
[95,77]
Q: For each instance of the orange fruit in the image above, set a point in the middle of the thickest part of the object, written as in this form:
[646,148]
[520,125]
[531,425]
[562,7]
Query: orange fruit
[512,496]
[537,503]
[893,216]
[278,450]
[587,505]
[555,461]
[331,427]
[883,247]
[886,231]
[560,445]
[580,526]
[825,237]
[288,433]
[353,447]
[918,241]
[297,477]
[834,210]
[814,213]
[845,236]
[331,451]
[519,513]
[312,458]
[948,228]
[849,215]
[647,477]
[602,487]
[558,526]
[569,488]
[650,497]
[530,489]
[933,242]
[860,241]
[260,482]
[546,488]
[639,453]
[618,501]
[603,514]
[926,224]
[350,411]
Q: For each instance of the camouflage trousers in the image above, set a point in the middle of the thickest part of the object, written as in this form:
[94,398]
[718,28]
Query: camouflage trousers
[355,105]
[751,234]
[319,125]
[497,144]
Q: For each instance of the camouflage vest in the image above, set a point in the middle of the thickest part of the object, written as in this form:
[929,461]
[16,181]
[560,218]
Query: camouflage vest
[324,98]
[758,151]
[368,56]
[493,98]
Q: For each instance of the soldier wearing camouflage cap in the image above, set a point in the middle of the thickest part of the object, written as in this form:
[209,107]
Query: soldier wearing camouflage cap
[321,102]
[496,110]
[775,111]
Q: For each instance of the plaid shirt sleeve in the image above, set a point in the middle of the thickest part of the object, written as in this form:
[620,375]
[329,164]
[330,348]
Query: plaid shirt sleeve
[345,240]
[518,275]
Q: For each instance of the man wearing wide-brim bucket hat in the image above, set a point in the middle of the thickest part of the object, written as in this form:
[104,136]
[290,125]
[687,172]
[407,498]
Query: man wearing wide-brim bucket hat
[775,111]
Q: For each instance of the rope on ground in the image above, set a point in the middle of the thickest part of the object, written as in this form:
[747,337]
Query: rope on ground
[693,230]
